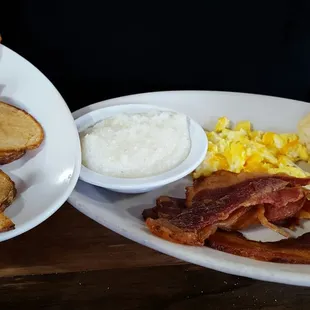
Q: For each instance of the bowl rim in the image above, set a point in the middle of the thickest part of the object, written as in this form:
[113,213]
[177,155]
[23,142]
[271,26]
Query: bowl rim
[197,153]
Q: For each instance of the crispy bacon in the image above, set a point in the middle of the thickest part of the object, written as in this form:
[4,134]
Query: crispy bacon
[166,207]
[157,220]
[246,220]
[264,221]
[229,223]
[248,193]
[218,184]
[275,213]
[228,201]
[215,186]
[304,213]
[285,215]
[164,229]
[292,251]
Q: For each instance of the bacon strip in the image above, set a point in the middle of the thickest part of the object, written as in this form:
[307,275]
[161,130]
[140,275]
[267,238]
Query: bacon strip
[157,220]
[246,220]
[228,201]
[233,219]
[292,251]
[164,229]
[218,184]
[248,193]
[304,213]
[166,207]
[276,213]
[264,221]
[215,186]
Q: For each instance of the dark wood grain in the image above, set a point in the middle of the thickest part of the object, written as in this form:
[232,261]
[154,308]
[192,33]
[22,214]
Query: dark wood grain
[69,241]
[161,287]
[71,262]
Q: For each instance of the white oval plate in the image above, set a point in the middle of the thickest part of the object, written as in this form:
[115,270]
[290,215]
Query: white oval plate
[199,146]
[46,176]
[122,213]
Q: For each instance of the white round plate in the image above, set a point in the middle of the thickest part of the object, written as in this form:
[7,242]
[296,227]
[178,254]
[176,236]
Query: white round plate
[44,177]
[122,213]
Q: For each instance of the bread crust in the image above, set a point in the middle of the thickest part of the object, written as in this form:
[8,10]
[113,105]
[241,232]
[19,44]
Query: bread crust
[8,157]
[20,132]
[5,223]
[32,146]
[7,196]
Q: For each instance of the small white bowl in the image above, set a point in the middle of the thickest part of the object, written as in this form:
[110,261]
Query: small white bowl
[199,147]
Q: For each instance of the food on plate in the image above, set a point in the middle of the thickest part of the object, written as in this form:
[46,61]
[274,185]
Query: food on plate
[7,196]
[303,128]
[136,145]
[248,178]
[8,157]
[7,191]
[228,201]
[242,149]
[5,223]
[290,251]
[19,132]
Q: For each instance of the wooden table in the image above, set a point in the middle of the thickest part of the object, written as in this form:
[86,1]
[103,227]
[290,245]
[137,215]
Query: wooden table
[71,262]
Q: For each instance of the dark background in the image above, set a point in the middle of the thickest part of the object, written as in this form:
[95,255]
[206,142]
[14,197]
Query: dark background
[93,50]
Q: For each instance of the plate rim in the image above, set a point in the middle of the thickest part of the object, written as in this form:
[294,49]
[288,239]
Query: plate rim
[58,203]
[297,278]
[100,104]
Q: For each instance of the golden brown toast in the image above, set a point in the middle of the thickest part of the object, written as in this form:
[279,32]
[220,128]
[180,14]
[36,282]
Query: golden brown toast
[8,157]
[5,223]
[7,196]
[7,191]
[19,131]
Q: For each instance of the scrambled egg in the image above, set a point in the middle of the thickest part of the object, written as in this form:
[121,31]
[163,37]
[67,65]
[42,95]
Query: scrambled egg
[243,149]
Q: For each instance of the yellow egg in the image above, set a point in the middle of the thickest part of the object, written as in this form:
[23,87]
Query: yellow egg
[233,135]
[256,135]
[213,137]
[218,162]
[245,125]
[268,138]
[222,123]
[295,151]
[303,152]
[212,147]
[244,149]
[235,156]
[292,171]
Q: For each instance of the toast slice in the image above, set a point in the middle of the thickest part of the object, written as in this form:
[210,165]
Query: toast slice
[7,196]
[7,191]
[5,223]
[8,157]
[19,131]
